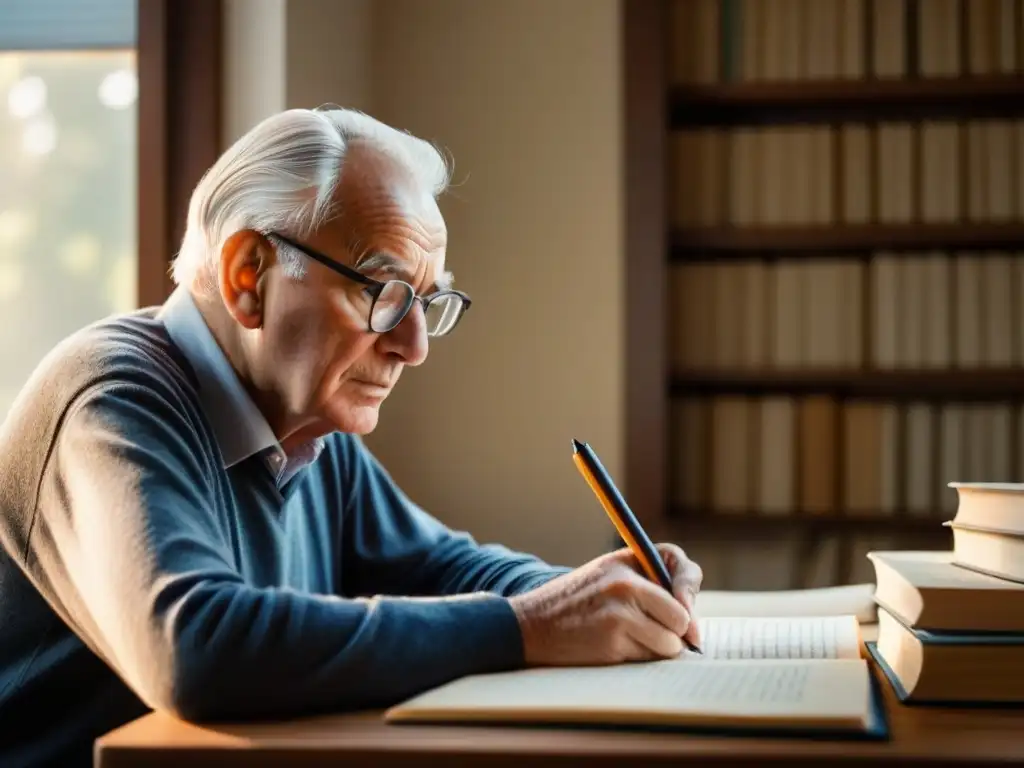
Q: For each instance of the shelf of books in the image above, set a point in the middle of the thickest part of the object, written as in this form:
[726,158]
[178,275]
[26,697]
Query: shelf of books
[845,311]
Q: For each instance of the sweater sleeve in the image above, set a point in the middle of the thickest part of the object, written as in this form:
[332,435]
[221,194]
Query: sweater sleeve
[127,546]
[392,546]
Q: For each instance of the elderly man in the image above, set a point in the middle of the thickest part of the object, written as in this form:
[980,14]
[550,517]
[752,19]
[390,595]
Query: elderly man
[189,520]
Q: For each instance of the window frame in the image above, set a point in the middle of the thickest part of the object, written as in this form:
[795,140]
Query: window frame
[179,53]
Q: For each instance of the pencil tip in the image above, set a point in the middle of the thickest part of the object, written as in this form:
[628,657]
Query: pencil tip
[576,445]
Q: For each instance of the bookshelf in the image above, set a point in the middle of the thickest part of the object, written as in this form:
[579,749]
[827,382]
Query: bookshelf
[824,224]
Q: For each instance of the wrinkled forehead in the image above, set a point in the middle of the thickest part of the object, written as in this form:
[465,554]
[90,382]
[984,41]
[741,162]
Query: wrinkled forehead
[377,190]
[388,222]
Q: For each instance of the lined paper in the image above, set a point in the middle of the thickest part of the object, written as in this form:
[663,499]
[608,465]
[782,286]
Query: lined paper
[809,637]
[684,689]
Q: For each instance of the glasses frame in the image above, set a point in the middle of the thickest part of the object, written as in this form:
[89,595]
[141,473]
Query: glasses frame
[376,287]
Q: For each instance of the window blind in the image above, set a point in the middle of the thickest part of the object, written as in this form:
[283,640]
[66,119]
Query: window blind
[67,24]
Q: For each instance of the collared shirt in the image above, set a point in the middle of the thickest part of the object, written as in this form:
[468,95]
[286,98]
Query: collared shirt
[241,429]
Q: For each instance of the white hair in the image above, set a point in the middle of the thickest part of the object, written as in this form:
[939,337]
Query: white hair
[281,176]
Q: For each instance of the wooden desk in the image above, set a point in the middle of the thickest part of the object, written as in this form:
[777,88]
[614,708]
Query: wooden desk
[920,737]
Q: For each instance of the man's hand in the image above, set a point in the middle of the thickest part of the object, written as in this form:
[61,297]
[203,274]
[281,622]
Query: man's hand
[608,611]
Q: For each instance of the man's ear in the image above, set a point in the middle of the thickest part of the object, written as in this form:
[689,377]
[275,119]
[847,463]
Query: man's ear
[245,258]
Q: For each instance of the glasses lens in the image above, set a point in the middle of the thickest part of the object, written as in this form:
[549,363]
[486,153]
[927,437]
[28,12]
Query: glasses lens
[391,306]
[443,312]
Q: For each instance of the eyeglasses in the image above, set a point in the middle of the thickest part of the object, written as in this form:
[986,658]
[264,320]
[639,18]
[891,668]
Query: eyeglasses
[391,300]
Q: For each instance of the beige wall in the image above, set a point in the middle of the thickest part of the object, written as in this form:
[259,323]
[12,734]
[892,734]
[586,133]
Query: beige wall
[254,75]
[309,52]
[328,47]
[524,94]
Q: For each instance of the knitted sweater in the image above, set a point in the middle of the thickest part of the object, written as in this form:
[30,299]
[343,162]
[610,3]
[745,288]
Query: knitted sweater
[137,572]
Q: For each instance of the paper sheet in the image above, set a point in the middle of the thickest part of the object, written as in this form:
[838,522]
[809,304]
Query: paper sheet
[856,599]
[769,688]
[815,637]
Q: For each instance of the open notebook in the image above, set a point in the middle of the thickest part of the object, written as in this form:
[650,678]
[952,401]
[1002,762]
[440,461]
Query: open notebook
[793,674]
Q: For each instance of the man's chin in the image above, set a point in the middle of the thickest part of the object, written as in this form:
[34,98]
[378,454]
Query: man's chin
[356,418]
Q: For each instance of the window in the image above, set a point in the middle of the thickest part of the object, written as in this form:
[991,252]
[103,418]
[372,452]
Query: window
[68,157]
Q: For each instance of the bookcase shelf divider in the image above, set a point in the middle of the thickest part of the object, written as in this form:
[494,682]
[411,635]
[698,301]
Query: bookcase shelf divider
[820,241]
[829,101]
[1006,384]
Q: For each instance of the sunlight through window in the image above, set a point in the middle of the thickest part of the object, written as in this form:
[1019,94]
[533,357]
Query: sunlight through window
[67,199]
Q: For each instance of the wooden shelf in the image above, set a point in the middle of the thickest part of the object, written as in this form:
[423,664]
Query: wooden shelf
[826,101]
[680,521]
[815,241]
[940,384]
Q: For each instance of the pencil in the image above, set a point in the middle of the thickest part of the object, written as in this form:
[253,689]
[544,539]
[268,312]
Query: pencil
[622,517]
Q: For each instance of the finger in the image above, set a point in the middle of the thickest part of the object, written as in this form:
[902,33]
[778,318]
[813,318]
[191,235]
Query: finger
[662,606]
[653,636]
[687,577]
[686,574]
[630,649]
[692,633]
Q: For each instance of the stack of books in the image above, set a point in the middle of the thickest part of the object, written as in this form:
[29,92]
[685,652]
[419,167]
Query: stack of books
[951,624]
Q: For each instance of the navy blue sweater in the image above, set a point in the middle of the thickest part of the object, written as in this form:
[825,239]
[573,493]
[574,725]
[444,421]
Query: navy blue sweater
[137,573]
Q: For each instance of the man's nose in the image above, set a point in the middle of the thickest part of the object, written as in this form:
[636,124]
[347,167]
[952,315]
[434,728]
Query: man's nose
[408,340]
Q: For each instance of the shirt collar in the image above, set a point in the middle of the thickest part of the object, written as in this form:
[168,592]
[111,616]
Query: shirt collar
[240,428]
